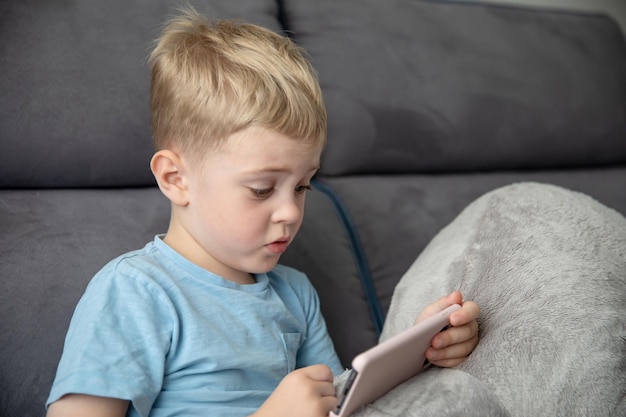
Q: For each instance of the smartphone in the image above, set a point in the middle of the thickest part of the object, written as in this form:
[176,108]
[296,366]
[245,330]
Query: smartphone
[386,365]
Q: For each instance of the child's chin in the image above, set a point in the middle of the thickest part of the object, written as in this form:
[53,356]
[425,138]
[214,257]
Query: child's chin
[266,267]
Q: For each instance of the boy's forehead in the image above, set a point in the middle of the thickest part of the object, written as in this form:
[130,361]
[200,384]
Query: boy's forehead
[281,169]
[268,142]
[257,150]
[281,160]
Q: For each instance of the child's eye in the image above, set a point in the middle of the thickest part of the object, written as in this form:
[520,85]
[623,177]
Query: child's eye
[301,189]
[261,192]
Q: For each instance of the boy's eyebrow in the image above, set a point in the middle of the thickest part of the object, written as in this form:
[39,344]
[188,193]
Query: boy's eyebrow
[278,169]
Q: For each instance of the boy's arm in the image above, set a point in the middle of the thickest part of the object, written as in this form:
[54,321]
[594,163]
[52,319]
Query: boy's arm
[77,405]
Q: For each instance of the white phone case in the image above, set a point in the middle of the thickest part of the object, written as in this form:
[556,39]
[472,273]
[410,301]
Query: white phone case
[386,365]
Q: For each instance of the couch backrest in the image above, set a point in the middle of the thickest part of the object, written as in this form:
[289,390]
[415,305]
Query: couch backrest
[74,110]
[421,86]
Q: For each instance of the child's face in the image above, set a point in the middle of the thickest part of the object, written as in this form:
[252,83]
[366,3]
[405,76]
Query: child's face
[245,203]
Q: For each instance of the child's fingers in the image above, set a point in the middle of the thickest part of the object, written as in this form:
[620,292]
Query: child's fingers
[448,363]
[452,346]
[451,355]
[467,313]
[318,373]
[455,335]
[439,305]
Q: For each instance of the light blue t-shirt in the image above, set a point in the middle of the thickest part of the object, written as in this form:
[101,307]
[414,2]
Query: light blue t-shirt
[177,340]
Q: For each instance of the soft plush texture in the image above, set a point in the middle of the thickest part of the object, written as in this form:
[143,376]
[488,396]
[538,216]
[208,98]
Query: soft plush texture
[438,392]
[548,268]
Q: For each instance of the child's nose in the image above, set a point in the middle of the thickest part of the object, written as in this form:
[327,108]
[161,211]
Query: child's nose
[288,211]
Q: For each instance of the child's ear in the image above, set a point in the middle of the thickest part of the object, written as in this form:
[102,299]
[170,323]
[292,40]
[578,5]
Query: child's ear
[168,170]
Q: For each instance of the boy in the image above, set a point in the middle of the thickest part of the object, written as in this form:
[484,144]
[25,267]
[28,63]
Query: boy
[202,321]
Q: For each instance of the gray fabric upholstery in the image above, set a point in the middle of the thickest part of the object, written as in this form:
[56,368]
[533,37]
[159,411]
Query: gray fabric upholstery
[75,86]
[415,86]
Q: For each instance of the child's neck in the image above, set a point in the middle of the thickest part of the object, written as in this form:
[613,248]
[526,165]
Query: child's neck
[199,258]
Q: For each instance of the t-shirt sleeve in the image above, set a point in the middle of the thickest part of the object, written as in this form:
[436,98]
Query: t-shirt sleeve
[117,341]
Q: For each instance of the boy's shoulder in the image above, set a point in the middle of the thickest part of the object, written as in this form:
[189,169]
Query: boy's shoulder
[140,266]
[134,260]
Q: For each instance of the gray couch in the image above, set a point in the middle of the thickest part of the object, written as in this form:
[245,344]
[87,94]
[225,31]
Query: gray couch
[431,104]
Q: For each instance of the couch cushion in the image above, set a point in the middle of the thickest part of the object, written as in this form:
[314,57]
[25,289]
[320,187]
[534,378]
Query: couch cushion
[74,84]
[416,86]
[52,243]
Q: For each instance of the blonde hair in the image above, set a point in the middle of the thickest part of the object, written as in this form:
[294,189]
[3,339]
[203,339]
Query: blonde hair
[212,79]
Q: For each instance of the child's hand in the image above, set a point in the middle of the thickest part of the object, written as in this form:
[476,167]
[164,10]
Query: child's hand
[452,346]
[306,392]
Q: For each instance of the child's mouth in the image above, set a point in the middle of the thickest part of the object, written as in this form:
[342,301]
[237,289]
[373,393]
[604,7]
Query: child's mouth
[278,246]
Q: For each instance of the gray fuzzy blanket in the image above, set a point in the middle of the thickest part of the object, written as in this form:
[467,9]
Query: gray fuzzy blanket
[548,268]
